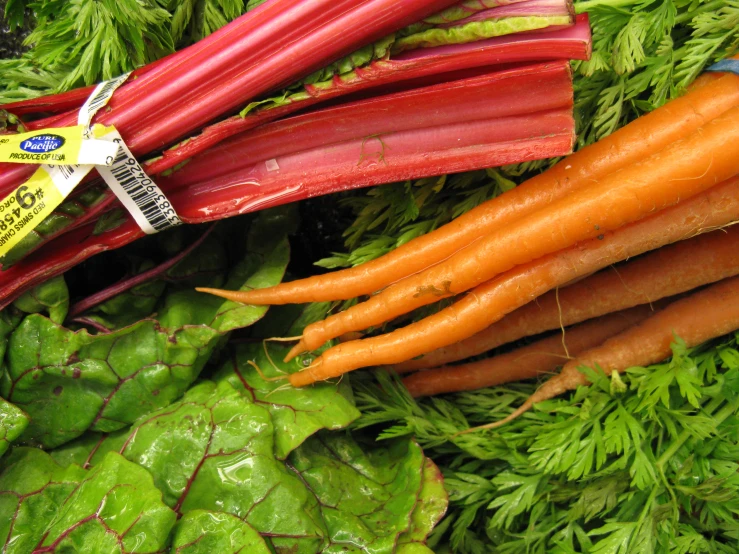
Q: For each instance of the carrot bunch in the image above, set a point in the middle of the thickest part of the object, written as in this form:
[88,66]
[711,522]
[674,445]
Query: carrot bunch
[668,176]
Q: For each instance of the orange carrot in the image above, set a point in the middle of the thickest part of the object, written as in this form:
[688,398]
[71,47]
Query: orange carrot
[708,77]
[491,301]
[637,140]
[664,272]
[527,362]
[702,316]
[678,172]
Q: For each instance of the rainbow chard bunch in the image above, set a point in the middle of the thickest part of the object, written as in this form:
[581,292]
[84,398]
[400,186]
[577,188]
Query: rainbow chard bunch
[117,442]
[417,89]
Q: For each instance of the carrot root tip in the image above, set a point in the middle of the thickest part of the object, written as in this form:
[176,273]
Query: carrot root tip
[296,350]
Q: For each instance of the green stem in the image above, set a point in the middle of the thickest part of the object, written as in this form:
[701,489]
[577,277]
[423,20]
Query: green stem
[729,409]
[582,7]
[690,14]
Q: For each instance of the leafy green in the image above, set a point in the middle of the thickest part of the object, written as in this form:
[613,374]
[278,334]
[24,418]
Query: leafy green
[296,413]
[51,297]
[366,498]
[71,381]
[215,450]
[112,508]
[204,532]
[646,52]
[477,30]
[641,462]
[13,421]
[430,508]
[81,42]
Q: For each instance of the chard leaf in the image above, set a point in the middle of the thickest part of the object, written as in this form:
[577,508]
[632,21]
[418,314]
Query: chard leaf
[214,450]
[296,413]
[51,297]
[70,382]
[366,497]
[113,508]
[33,488]
[204,532]
[13,421]
[476,30]
[430,508]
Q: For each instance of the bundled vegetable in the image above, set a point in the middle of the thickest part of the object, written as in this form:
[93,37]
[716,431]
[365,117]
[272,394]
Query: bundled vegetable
[683,169]
[491,119]
[462,45]
[669,271]
[703,315]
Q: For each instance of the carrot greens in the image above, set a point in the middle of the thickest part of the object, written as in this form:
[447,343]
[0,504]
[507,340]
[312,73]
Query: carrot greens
[644,461]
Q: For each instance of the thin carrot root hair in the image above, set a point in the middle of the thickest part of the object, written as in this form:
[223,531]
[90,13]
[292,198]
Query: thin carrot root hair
[283,339]
[308,376]
[269,357]
[553,387]
[286,386]
[262,376]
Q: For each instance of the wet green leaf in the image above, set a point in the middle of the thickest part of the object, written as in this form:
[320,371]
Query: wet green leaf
[430,508]
[366,496]
[51,297]
[296,413]
[13,421]
[203,532]
[70,382]
[215,450]
[112,508]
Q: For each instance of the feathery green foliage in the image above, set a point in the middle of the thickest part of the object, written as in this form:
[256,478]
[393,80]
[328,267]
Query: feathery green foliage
[643,462]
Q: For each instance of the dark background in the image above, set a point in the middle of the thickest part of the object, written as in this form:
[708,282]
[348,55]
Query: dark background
[10,43]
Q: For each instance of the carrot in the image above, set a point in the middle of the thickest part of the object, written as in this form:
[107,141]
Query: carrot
[491,301]
[680,171]
[702,316]
[664,272]
[708,77]
[527,362]
[637,140]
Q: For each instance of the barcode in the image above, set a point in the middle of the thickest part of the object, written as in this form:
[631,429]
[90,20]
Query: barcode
[146,201]
[101,98]
[67,170]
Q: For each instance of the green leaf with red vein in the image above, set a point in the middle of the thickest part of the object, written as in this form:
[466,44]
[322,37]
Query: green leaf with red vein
[215,450]
[431,507]
[296,413]
[13,421]
[204,532]
[70,382]
[366,496]
[51,297]
[46,508]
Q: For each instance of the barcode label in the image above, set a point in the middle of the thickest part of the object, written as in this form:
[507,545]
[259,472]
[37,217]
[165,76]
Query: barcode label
[99,98]
[67,170]
[137,191]
[66,177]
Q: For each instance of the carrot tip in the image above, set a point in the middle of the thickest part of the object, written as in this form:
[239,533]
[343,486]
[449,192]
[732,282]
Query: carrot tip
[296,350]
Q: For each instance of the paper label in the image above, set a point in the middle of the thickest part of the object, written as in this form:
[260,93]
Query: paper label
[730,65]
[62,146]
[99,98]
[34,200]
[141,196]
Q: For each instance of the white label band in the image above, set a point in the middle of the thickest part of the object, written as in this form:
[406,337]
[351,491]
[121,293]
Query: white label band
[141,196]
[99,98]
